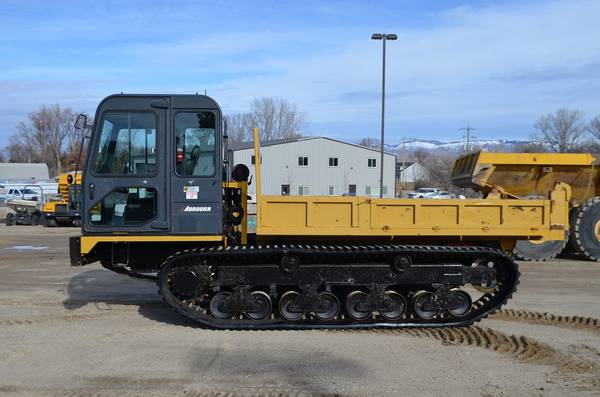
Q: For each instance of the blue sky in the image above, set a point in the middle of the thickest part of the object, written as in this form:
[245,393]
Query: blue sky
[495,65]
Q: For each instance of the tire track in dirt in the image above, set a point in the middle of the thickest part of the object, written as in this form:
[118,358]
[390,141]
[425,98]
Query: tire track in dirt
[520,348]
[60,317]
[254,392]
[589,324]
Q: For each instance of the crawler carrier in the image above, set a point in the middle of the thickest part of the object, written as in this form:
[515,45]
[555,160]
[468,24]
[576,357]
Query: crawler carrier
[161,200]
[67,210]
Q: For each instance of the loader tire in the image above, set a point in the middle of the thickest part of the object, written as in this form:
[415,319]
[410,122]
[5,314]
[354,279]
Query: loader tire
[586,230]
[533,251]
[571,244]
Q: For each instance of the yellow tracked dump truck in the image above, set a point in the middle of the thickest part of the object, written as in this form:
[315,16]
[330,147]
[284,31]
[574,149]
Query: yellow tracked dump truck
[532,175]
[67,210]
[161,201]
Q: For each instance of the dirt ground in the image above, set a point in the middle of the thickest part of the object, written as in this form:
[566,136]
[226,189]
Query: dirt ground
[89,332]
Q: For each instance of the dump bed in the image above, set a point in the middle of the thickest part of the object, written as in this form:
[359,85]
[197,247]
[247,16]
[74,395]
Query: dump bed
[471,219]
[527,174]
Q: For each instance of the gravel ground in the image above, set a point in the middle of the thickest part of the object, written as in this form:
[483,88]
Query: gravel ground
[89,332]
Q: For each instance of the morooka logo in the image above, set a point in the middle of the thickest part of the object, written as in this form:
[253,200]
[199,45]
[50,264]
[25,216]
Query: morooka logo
[189,208]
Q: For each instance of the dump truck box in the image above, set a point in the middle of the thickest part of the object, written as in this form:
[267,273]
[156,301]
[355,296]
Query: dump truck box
[521,175]
[527,175]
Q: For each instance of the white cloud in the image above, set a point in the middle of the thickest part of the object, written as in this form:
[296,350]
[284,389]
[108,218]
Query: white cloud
[499,67]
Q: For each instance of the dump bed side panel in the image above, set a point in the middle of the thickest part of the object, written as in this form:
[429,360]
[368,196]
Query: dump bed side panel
[361,216]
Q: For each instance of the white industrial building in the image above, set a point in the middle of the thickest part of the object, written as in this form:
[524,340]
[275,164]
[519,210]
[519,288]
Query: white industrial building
[411,172]
[318,166]
[409,176]
[33,176]
[24,171]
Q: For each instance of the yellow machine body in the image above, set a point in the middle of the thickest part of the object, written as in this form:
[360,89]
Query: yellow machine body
[324,218]
[60,210]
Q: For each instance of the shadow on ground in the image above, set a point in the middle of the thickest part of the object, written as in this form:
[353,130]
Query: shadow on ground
[100,286]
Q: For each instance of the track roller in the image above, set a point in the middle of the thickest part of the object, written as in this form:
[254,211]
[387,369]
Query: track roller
[329,306]
[396,304]
[354,301]
[262,301]
[460,303]
[286,306]
[424,305]
[218,306]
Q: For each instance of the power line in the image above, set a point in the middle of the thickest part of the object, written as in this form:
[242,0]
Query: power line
[468,137]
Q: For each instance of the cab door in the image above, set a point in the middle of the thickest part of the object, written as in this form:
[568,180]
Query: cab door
[196,176]
[125,186]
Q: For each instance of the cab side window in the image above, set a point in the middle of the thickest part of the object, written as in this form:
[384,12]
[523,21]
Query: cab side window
[195,144]
[125,206]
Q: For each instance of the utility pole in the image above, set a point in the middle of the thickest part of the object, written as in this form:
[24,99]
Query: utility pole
[468,136]
[403,165]
[383,37]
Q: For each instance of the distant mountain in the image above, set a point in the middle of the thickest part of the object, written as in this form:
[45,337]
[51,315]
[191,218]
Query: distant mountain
[480,144]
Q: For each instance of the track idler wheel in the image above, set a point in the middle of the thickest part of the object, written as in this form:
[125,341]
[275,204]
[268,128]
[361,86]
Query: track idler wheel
[424,305]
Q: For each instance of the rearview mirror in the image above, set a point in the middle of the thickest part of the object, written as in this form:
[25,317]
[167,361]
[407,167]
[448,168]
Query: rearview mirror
[81,122]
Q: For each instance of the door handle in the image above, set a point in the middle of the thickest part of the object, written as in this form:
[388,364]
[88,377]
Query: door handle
[91,188]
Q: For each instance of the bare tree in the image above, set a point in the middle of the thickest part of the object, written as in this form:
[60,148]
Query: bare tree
[562,130]
[23,145]
[239,127]
[276,118]
[439,169]
[594,127]
[48,137]
[369,142]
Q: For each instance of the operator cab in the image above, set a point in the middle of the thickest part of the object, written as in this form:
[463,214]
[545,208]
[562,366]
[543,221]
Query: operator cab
[154,166]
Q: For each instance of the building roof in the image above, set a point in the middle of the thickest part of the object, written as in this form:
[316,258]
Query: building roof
[250,145]
[407,165]
[24,171]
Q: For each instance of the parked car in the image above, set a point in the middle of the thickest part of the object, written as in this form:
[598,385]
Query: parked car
[23,194]
[424,192]
[442,195]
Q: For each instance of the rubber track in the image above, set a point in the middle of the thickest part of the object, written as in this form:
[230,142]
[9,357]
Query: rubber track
[508,269]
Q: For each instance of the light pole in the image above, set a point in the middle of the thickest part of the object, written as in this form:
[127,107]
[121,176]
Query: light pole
[384,37]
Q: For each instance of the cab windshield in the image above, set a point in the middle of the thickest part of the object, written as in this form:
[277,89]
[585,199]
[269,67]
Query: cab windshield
[127,144]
